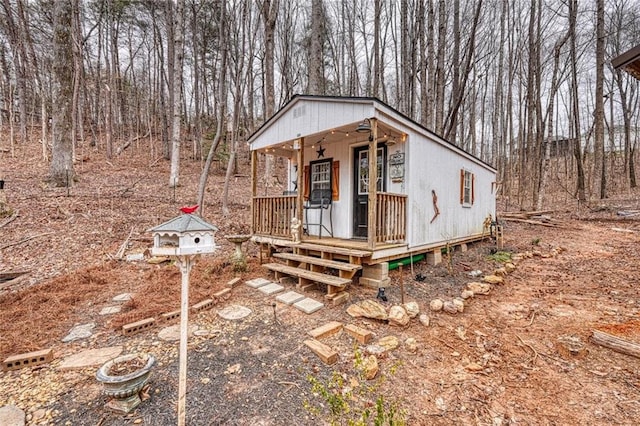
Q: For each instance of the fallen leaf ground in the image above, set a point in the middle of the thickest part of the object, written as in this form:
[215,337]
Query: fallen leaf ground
[257,371]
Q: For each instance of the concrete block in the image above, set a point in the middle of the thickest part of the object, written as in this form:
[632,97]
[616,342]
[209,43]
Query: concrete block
[288,281]
[234,282]
[434,257]
[372,283]
[170,316]
[257,282]
[290,297]
[308,305]
[272,288]
[222,293]
[138,326]
[204,305]
[28,359]
[379,271]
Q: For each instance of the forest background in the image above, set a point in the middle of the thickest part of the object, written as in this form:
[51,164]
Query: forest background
[527,86]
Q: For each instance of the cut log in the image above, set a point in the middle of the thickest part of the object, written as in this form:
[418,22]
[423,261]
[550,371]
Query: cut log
[615,343]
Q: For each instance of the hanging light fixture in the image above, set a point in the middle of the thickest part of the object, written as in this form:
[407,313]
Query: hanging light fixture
[364,127]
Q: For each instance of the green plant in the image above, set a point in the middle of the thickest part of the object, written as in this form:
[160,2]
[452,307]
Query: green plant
[536,241]
[350,402]
[500,256]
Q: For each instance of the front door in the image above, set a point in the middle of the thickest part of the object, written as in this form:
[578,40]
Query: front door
[361,185]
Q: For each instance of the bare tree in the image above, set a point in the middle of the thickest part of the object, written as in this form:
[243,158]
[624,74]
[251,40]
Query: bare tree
[61,171]
[178,43]
[600,176]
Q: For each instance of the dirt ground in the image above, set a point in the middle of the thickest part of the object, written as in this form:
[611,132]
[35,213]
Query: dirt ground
[499,362]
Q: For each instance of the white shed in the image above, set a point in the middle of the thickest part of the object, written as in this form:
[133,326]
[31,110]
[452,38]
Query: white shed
[427,192]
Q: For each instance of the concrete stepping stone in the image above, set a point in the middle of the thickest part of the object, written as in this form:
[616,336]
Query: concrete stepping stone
[124,297]
[272,288]
[79,332]
[10,415]
[257,282]
[172,333]
[90,357]
[234,312]
[110,310]
[308,305]
[290,297]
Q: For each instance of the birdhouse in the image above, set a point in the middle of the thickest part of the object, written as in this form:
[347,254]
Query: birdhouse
[184,235]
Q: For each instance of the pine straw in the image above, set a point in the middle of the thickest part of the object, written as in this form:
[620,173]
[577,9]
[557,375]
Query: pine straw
[34,318]
[39,316]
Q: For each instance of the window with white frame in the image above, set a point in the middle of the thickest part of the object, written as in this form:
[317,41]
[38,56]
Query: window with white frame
[467,193]
[320,179]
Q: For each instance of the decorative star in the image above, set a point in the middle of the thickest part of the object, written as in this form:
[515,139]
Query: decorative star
[295,168]
[320,152]
[295,185]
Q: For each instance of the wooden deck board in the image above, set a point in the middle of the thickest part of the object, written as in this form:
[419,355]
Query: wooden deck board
[309,275]
[343,266]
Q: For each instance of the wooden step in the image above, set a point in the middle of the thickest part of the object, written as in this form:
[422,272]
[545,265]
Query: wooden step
[302,247]
[334,264]
[330,280]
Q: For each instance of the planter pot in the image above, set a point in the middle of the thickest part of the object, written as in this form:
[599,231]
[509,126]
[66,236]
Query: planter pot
[124,389]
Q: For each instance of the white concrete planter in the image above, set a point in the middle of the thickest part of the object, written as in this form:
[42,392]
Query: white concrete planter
[124,390]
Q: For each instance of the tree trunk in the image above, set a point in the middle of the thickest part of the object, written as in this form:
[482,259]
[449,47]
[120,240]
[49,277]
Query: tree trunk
[178,35]
[600,176]
[61,168]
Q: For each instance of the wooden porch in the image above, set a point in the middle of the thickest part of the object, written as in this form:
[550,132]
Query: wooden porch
[272,218]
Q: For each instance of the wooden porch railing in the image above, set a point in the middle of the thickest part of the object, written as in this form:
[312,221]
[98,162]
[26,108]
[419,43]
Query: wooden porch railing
[391,217]
[272,215]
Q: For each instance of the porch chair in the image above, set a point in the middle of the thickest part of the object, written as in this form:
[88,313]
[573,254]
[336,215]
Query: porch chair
[319,199]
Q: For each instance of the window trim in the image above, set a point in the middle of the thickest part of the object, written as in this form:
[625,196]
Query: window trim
[312,183]
[467,188]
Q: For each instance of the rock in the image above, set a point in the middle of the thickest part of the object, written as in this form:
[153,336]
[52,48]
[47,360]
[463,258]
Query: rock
[473,366]
[459,304]
[450,308]
[501,272]
[493,279]
[234,312]
[10,415]
[436,305]
[479,288]
[411,344]
[172,333]
[89,358]
[509,267]
[368,309]
[124,297]
[476,273]
[375,349]
[370,367]
[398,316]
[389,342]
[466,294]
[424,320]
[412,309]
[235,368]
[79,332]
[571,347]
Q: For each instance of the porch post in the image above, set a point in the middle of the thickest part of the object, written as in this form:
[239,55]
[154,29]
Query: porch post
[254,172]
[373,181]
[299,186]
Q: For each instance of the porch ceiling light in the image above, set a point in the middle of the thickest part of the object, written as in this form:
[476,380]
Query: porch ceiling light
[364,127]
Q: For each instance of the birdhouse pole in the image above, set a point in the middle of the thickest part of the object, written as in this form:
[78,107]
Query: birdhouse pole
[184,237]
[185,263]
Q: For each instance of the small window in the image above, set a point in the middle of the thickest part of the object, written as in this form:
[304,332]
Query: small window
[467,181]
[320,178]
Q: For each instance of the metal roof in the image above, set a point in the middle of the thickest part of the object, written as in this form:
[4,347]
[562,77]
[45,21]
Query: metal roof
[629,61]
[184,223]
